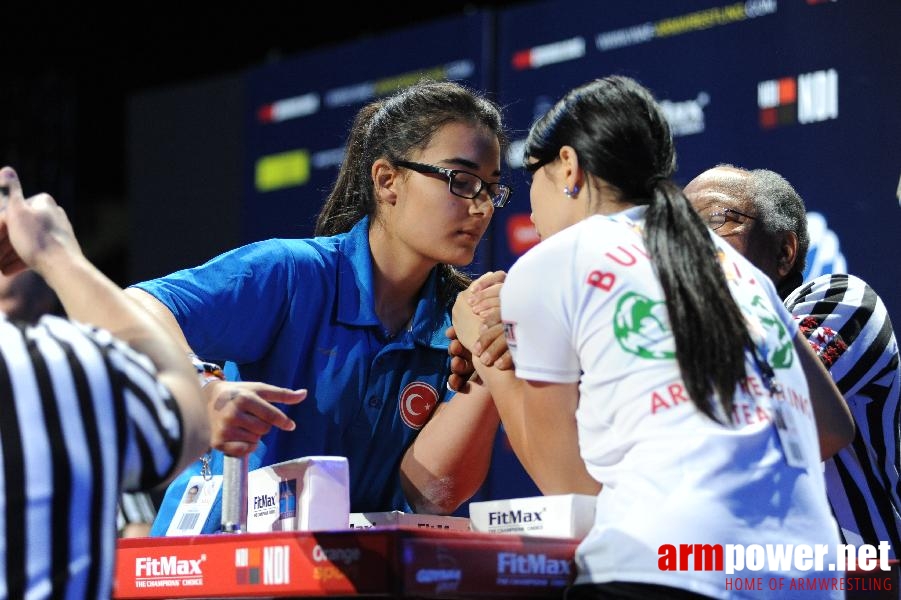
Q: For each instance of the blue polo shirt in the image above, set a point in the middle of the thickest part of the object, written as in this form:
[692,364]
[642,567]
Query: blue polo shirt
[300,314]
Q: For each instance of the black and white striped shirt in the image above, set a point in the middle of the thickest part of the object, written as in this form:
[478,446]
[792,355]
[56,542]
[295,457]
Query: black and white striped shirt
[135,507]
[849,327]
[82,417]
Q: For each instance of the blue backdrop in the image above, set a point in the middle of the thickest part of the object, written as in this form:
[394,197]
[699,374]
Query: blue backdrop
[809,89]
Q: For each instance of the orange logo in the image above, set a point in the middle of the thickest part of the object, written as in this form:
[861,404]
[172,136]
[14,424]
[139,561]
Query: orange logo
[521,234]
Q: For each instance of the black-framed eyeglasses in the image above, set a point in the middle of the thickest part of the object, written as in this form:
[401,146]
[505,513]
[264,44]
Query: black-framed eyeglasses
[717,219]
[463,183]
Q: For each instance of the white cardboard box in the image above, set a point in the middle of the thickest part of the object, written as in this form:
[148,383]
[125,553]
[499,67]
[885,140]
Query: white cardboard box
[563,516]
[311,493]
[396,517]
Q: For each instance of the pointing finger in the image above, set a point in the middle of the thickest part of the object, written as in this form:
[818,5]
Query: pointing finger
[10,187]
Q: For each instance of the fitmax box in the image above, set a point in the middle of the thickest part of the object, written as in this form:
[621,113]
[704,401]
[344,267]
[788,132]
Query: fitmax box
[563,516]
[396,517]
[311,493]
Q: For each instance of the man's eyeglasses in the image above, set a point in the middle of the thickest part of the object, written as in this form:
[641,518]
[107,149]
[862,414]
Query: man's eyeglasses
[717,219]
[463,183]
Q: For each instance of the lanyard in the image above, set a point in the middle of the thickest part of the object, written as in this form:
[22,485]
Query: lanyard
[783,420]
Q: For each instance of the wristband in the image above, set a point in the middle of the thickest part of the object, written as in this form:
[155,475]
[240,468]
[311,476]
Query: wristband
[206,371]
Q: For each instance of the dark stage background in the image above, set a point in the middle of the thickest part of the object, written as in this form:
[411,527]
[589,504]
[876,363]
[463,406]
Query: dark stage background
[172,141]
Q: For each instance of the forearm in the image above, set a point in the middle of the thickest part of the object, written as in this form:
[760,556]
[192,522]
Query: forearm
[87,295]
[507,394]
[834,422]
[37,234]
[542,430]
[450,457]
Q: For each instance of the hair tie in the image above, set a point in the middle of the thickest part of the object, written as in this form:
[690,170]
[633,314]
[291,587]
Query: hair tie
[654,180]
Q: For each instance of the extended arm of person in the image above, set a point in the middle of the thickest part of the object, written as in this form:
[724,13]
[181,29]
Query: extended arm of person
[539,418]
[540,421]
[240,413]
[835,425]
[484,298]
[449,459]
[37,234]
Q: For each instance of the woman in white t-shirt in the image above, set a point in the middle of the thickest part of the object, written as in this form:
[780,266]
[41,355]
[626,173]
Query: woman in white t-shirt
[653,361]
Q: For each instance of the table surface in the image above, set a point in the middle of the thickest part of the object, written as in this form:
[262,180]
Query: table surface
[385,562]
[382,562]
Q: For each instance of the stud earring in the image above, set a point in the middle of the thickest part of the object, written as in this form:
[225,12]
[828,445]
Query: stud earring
[571,194]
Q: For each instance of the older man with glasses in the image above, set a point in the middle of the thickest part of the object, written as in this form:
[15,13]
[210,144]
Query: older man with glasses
[761,215]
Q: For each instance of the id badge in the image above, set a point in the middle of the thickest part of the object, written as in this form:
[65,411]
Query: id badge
[195,505]
[789,437]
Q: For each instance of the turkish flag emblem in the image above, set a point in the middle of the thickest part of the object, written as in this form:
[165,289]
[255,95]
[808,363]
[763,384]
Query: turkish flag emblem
[417,401]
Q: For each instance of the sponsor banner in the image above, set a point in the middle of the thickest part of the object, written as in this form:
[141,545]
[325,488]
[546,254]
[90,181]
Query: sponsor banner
[311,493]
[372,561]
[488,566]
[562,516]
[298,112]
[251,565]
[802,99]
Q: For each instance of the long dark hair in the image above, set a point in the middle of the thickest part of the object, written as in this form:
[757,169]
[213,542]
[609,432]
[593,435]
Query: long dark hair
[391,128]
[622,136]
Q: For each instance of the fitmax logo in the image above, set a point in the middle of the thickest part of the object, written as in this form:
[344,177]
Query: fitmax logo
[263,502]
[510,563]
[167,566]
[686,117]
[513,517]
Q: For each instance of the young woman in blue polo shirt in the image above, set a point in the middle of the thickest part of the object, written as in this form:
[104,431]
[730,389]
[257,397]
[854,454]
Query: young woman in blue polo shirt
[340,339]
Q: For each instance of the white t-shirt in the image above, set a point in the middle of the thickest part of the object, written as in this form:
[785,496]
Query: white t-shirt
[585,305]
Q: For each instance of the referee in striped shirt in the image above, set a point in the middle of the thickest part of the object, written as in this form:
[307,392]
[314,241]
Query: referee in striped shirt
[760,214]
[88,407]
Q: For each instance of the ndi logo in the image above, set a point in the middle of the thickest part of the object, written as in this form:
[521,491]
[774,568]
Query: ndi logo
[271,566]
[807,98]
[276,565]
[818,96]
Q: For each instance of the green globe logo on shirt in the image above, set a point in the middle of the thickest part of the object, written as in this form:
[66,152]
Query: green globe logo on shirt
[782,354]
[641,327]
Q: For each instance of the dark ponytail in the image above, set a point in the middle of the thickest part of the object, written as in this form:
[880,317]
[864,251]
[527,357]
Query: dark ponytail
[392,128]
[621,136]
[709,328]
[351,198]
